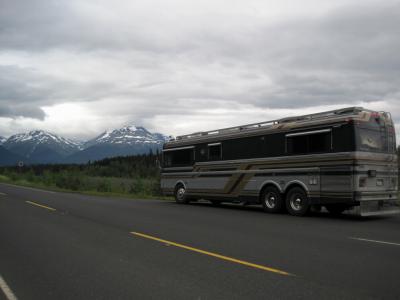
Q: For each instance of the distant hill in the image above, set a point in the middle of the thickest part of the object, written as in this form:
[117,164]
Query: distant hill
[2,140]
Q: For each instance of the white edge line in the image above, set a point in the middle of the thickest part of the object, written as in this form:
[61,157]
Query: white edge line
[3,194]
[374,241]
[7,290]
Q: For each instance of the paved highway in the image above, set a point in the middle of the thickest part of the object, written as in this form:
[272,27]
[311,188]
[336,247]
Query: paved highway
[71,246]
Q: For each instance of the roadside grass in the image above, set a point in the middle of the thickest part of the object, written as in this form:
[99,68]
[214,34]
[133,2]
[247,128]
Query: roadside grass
[136,188]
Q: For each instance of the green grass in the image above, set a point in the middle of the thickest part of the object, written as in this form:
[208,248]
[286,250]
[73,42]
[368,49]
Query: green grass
[137,188]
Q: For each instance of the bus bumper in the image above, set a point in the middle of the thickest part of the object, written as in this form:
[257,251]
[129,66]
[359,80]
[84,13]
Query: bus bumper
[373,204]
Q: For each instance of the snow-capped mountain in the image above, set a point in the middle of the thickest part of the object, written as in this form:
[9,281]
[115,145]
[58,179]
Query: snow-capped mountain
[41,146]
[2,140]
[128,135]
[128,140]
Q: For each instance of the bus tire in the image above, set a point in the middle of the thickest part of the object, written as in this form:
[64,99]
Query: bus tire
[180,194]
[271,200]
[297,202]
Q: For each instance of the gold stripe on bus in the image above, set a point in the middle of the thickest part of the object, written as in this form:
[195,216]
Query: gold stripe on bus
[234,179]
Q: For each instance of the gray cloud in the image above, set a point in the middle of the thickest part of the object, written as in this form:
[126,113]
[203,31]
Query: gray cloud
[20,93]
[141,62]
[23,91]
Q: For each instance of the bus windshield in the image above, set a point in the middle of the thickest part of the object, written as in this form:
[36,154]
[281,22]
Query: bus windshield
[371,140]
[375,136]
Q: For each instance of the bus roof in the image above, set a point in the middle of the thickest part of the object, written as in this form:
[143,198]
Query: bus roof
[273,125]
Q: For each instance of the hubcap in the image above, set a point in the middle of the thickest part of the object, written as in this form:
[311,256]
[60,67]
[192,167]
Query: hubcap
[181,193]
[270,200]
[296,203]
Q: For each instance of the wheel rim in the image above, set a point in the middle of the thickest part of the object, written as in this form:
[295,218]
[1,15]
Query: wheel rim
[180,194]
[270,200]
[296,202]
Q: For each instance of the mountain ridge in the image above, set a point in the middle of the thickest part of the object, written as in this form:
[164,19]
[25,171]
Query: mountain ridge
[39,146]
[127,140]
[43,147]
[127,135]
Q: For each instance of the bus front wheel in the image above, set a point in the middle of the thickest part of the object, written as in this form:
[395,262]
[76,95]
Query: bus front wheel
[297,203]
[180,194]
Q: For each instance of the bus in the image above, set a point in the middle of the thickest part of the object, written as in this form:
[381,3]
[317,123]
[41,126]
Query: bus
[341,160]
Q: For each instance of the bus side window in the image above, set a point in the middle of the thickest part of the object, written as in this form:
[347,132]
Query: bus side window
[214,151]
[314,142]
[297,144]
[177,158]
[167,159]
[183,157]
[320,142]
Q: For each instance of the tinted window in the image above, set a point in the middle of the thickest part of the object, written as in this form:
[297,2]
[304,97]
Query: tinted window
[298,144]
[343,137]
[214,152]
[247,147]
[309,143]
[320,142]
[176,158]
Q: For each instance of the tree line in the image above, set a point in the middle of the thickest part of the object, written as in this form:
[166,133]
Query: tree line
[138,175]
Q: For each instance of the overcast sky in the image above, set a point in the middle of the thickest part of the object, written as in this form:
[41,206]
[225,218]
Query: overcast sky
[77,68]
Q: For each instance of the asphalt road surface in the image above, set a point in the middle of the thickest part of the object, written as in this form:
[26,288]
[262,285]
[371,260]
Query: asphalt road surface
[71,246]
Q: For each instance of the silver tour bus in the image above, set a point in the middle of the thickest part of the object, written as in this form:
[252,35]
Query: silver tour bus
[341,160]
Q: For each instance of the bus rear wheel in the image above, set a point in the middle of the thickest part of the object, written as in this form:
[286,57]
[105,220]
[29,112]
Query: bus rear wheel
[180,194]
[271,200]
[297,203]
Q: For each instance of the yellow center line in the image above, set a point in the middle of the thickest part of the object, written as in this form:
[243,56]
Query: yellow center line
[40,205]
[234,260]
